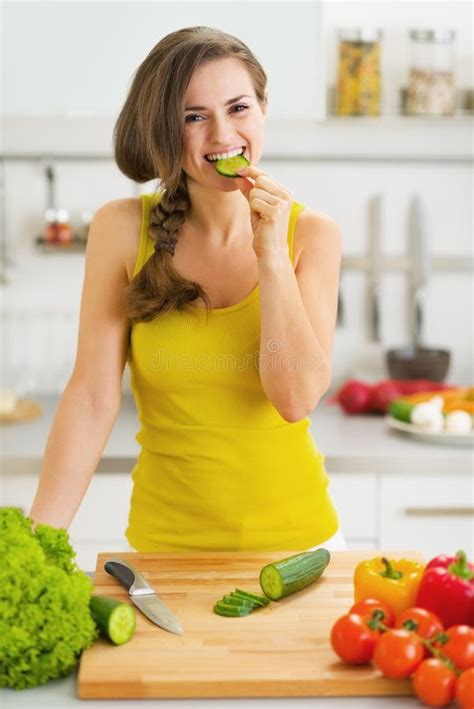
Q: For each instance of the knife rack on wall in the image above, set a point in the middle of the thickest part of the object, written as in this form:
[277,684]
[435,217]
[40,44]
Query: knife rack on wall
[374,263]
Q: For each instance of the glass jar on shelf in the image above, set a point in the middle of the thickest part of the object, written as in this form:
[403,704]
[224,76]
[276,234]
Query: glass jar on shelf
[358,89]
[431,89]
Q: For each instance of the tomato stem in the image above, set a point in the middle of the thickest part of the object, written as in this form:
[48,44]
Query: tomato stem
[376,623]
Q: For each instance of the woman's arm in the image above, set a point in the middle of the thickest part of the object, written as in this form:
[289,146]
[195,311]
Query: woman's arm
[91,400]
[298,317]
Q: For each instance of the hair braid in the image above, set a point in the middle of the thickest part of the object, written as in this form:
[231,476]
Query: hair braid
[158,287]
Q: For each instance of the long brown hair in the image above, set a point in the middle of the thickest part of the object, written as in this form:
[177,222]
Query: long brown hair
[148,139]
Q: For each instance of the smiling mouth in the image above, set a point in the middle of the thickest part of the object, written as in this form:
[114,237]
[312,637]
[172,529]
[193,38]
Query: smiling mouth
[215,160]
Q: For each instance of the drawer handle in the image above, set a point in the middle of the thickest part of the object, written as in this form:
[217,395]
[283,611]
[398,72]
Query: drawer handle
[439,511]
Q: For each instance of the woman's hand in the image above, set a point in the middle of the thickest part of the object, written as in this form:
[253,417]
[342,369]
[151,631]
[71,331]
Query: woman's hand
[270,205]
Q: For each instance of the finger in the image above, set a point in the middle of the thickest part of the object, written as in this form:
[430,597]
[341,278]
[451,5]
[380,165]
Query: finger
[250,171]
[262,207]
[244,185]
[267,183]
[256,193]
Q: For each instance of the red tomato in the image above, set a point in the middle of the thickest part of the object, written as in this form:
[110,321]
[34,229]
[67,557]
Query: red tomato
[465,689]
[398,653]
[421,621]
[460,646]
[353,640]
[367,607]
[434,683]
[383,393]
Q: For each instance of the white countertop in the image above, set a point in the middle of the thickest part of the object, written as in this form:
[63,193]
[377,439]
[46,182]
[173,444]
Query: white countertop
[61,694]
[362,444]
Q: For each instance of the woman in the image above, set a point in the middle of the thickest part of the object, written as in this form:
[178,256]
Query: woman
[221,293]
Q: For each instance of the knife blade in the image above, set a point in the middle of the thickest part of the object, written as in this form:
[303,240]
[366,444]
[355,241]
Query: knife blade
[375,265]
[143,595]
[420,271]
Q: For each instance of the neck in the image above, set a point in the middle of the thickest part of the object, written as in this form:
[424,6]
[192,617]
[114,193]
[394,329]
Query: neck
[220,218]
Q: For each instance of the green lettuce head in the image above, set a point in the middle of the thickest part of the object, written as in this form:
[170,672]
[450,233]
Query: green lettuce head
[45,621]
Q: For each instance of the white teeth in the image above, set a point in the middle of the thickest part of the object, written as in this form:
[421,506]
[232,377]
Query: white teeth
[221,156]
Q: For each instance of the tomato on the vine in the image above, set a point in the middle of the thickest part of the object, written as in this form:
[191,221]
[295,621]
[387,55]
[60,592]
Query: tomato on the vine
[434,682]
[465,689]
[353,640]
[422,622]
[459,646]
[368,606]
[398,653]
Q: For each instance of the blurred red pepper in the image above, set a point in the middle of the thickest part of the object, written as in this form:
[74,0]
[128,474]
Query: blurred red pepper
[447,589]
[417,386]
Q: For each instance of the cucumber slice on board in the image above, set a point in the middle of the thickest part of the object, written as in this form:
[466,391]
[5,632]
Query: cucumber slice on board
[115,619]
[229,166]
[261,600]
[231,611]
[239,602]
[294,573]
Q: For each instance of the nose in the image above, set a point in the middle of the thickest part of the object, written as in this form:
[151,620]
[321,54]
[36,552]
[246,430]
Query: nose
[221,130]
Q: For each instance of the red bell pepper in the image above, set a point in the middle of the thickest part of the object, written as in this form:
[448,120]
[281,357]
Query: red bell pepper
[447,589]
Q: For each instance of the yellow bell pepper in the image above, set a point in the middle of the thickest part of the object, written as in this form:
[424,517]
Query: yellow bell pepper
[393,581]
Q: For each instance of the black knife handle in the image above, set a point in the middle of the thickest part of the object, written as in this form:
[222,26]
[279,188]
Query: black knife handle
[121,572]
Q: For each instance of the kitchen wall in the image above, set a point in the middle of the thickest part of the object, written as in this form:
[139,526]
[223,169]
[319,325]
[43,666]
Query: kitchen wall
[63,102]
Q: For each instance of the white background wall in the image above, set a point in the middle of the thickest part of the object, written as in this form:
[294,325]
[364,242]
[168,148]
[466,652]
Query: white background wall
[73,58]
[85,53]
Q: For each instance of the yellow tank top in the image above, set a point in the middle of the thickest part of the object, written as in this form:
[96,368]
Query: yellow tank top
[219,468]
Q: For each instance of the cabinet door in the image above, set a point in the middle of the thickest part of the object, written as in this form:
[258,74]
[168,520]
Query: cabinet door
[432,513]
[100,522]
[355,496]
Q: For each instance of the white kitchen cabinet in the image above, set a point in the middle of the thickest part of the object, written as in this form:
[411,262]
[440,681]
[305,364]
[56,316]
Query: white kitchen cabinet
[101,520]
[432,513]
[355,498]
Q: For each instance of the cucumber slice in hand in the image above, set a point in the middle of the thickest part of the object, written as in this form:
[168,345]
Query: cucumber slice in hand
[116,620]
[229,166]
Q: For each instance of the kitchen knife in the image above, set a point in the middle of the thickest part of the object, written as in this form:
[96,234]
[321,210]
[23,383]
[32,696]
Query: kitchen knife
[143,595]
[375,265]
[418,250]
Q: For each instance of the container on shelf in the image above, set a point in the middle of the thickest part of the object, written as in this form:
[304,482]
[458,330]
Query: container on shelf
[358,89]
[431,85]
[58,229]
[64,227]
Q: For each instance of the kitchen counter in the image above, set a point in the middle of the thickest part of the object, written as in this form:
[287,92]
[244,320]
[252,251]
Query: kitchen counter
[359,444]
[61,694]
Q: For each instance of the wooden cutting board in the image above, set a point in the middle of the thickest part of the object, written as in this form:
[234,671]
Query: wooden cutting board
[282,650]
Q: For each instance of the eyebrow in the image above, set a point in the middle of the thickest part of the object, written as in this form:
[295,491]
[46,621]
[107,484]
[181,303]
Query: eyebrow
[227,103]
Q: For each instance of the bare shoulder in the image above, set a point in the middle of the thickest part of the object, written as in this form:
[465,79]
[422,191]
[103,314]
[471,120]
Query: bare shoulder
[116,228]
[316,232]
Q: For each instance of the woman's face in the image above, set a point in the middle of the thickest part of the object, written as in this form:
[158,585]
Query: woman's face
[213,125]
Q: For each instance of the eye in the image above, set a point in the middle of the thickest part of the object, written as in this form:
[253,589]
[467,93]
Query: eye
[190,118]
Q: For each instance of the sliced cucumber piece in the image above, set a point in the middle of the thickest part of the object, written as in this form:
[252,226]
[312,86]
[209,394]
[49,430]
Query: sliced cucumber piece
[115,619]
[262,600]
[229,166]
[236,611]
[294,573]
[239,602]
